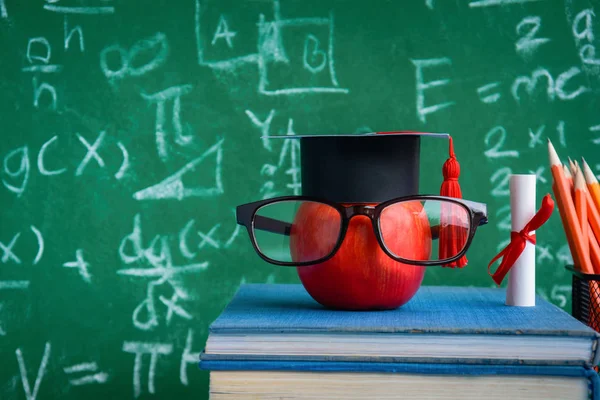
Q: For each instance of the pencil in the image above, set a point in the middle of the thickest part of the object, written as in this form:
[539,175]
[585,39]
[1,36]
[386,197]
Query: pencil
[563,219]
[580,249]
[592,184]
[568,177]
[581,210]
[572,167]
[593,224]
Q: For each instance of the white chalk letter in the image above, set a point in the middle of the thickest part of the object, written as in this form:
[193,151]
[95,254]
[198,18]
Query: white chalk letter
[22,172]
[43,56]
[187,358]
[69,35]
[40,160]
[421,86]
[563,79]
[139,349]
[223,32]
[29,395]
[264,126]
[528,43]
[587,32]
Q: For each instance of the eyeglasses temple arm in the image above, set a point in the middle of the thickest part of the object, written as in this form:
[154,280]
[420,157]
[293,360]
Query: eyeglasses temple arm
[272,225]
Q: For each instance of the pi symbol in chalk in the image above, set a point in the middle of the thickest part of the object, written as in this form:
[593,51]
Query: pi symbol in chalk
[314,59]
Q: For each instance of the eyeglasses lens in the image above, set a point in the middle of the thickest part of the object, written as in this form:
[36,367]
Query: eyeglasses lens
[296,230]
[425,230]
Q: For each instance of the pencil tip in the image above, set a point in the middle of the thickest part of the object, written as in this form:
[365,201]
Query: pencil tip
[554,160]
[587,171]
[567,172]
[579,181]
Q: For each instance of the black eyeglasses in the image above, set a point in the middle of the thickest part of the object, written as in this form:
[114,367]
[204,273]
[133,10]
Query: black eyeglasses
[417,230]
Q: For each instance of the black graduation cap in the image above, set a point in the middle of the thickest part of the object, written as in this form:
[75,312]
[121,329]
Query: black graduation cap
[369,167]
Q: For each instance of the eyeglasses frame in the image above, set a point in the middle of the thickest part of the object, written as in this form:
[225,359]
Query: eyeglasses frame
[246,213]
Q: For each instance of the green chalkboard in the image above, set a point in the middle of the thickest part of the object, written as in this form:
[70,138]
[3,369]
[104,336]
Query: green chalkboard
[132,129]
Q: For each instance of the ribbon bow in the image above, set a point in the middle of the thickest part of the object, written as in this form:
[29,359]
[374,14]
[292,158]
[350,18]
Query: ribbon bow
[518,240]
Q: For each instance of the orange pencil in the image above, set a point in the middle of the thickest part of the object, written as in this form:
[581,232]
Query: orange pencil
[592,184]
[572,167]
[580,249]
[563,219]
[593,224]
[568,177]
[581,210]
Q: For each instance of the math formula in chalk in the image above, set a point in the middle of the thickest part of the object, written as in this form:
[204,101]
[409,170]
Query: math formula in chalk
[133,130]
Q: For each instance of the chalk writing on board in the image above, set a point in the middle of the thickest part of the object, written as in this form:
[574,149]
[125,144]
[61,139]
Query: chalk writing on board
[539,174]
[29,393]
[7,250]
[173,187]
[79,10]
[560,294]
[263,125]
[140,349]
[314,58]
[69,34]
[157,45]
[543,253]
[4,285]
[553,88]
[8,254]
[500,179]
[488,94]
[39,53]
[3,11]
[317,54]
[40,160]
[81,265]
[496,138]
[187,358]
[160,99]
[288,162]
[162,271]
[16,167]
[125,165]
[223,33]
[92,152]
[583,31]
[535,138]
[490,3]
[528,42]
[422,85]
[21,172]
[87,373]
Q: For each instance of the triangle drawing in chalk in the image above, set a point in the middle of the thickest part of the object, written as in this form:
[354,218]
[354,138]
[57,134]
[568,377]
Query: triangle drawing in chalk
[173,186]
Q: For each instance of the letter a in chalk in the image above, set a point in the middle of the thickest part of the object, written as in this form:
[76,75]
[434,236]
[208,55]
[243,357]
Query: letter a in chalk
[223,32]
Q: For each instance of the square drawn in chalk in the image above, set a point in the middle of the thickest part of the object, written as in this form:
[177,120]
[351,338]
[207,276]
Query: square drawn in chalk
[298,57]
[225,37]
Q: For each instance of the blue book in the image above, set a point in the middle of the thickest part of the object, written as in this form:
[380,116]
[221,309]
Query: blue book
[440,325]
[305,380]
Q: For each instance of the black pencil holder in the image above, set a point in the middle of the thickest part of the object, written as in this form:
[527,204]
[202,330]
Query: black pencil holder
[585,305]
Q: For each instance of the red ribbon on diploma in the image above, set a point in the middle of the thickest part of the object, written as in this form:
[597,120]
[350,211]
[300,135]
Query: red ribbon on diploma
[518,240]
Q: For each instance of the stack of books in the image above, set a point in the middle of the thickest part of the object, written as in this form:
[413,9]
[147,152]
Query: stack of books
[275,342]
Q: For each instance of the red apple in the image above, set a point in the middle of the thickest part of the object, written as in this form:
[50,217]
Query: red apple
[361,276]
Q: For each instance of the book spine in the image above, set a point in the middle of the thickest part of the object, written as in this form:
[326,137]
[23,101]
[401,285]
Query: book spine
[593,383]
[595,353]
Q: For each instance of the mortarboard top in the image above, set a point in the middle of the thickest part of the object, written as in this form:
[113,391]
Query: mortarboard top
[368,167]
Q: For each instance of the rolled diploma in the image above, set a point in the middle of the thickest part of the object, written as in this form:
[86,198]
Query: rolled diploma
[521,279]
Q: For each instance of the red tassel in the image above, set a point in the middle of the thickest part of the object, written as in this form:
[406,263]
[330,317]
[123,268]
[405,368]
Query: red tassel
[451,237]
